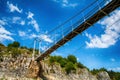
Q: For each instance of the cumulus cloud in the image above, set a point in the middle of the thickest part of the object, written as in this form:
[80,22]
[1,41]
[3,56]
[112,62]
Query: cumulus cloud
[33,22]
[13,8]
[33,36]
[43,37]
[4,34]
[46,38]
[30,15]
[18,20]
[2,22]
[66,3]
[22,33]
[111,34]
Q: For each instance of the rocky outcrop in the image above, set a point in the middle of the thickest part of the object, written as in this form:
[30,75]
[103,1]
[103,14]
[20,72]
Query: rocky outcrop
[103,76]
[22,67]
[33,70]
[55,72]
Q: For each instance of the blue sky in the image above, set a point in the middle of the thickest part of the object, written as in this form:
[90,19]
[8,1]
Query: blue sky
[24,20]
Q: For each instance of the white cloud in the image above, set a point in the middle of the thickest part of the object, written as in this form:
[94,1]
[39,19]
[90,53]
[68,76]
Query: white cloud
[22,22]
[66,3]
[46,38]
[43,37]
[5,35]
[18,20]
[22,33]
[30,15]
[2,22]
[33,36]
[4,31]
[33,22]
[13,8]
[111,34]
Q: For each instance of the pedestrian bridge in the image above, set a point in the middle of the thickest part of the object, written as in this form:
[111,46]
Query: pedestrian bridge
[90,15]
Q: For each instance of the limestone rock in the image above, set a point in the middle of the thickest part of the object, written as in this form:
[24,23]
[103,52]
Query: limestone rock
[103,76]
[23,66]
[33,69]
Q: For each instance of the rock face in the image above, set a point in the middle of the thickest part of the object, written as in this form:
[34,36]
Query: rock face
[103,76]
[19,68]
[32,70]
[55,72]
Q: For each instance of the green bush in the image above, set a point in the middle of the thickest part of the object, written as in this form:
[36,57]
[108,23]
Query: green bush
[114,75]
[63,62]
[15,52]
[15,44]
[69,66]
[79,65]
[69,63]
[52,59]
[72,59]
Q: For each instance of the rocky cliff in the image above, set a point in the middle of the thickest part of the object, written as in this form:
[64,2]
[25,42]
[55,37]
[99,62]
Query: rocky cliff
[55,72]
[19,68]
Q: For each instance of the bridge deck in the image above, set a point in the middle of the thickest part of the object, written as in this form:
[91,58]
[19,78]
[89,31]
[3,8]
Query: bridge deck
[89,22]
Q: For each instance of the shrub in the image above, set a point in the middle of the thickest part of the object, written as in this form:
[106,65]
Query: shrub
[72,59]
[79,65]
[15,44]
[63,62]
[15,52]
[52,59]
[69,66]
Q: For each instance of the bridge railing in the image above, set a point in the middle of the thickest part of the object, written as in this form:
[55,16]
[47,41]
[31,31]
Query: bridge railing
[71,24]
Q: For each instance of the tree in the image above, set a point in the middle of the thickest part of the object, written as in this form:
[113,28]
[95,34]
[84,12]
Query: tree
[15,44]
[63,62]
[72,59]
[80,65]
[69,66]
[52,59]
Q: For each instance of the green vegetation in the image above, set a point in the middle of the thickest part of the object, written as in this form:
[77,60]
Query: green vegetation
[13,49]
[95,71]
[113,75]
[15,44]
[72,59]
[68,64]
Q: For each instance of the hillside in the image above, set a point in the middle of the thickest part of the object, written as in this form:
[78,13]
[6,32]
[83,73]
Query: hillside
[16,63]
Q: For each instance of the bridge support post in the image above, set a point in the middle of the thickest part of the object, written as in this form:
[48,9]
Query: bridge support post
[34,50]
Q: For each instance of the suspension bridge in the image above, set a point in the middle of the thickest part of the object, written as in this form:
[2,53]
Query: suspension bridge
[90,15]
